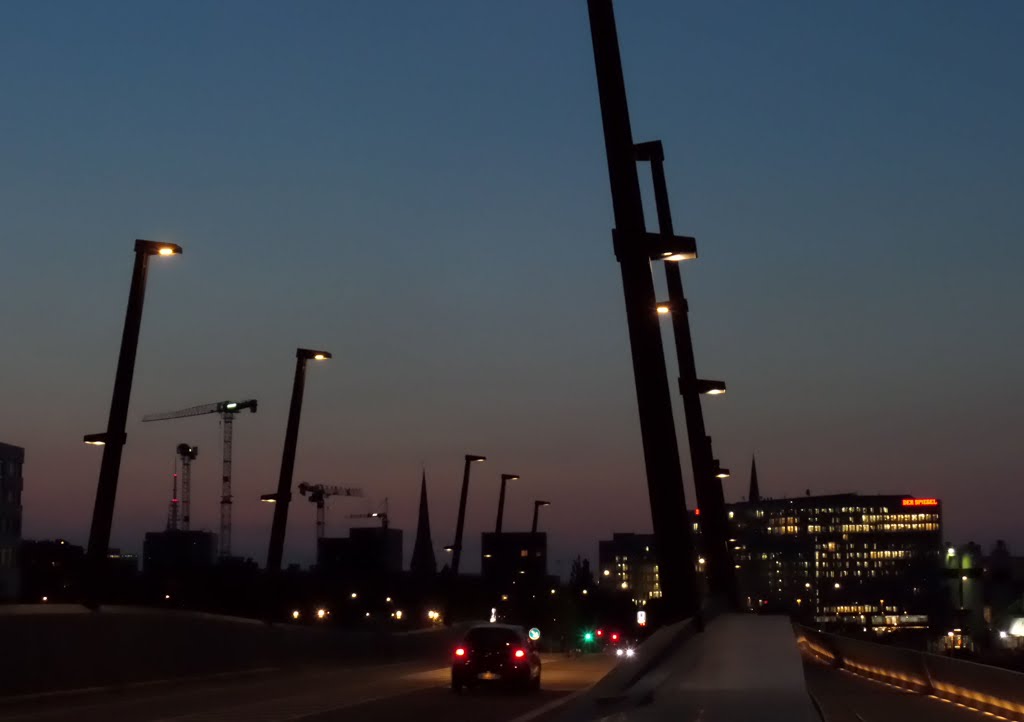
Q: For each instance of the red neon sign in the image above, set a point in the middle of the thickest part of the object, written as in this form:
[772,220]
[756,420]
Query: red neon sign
[920,502]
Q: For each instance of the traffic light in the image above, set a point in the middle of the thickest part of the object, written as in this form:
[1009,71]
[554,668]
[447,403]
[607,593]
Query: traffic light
[615,636]
[600,633]
[588,636]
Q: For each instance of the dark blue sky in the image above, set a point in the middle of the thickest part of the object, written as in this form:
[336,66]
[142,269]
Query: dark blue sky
[421,189]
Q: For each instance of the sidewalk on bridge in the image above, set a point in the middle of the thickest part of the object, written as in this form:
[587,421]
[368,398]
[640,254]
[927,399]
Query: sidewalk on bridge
[742,667]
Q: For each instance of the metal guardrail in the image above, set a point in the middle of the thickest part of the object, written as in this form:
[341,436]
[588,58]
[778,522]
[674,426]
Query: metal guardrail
[993,690]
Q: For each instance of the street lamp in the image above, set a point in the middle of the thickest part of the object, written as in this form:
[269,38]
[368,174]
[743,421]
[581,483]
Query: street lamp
[501,500]
[113,440]
[537,504]
[720,473]
[709,387]
[634,248]
[291,437]
[710,498]
[460,523]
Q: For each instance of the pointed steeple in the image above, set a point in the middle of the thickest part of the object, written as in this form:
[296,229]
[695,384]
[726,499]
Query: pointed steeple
[755,492]
[423,562]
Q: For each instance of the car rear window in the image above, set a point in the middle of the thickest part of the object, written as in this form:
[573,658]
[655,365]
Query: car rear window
[490,638]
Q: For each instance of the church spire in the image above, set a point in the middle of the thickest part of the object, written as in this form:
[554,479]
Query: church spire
[423,562]
[755,492]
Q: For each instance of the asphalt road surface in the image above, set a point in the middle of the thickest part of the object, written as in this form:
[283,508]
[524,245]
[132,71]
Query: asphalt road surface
[381,693]
[847,697]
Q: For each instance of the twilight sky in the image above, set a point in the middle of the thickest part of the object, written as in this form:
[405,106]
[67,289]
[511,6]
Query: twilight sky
[421,189]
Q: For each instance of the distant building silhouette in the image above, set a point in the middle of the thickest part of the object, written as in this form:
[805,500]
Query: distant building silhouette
[175,551]
[514,556]
[423,562]
[755,492]
[366,553]
[51,569]
[11,460]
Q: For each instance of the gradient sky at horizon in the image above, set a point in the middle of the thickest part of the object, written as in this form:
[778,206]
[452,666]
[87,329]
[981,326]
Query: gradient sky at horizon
[421,189]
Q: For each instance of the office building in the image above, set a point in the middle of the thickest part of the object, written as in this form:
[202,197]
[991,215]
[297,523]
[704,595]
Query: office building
[626,563]
[870,561]
[508,557]
[11,460]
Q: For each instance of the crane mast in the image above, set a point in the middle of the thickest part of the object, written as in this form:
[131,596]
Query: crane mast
[227,411]
[187,454]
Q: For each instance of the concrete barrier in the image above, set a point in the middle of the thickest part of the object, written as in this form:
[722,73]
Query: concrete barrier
[979,686]
[48,648]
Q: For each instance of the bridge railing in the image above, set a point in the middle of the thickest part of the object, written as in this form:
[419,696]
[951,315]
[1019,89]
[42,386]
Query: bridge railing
[979,686]
[47,648]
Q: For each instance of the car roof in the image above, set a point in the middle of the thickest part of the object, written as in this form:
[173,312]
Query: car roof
[512,627]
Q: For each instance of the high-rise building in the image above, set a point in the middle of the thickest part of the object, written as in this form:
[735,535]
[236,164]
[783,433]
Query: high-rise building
[11,460]
[627,563]
[872,561]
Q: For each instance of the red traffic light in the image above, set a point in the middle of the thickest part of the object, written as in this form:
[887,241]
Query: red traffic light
[615,637]
[600,633]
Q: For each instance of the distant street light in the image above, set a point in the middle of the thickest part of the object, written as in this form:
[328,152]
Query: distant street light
[501,500]
[720,473]
[460,523]
[536,508]
[291,437]
[269,498]
[663,308]
[113,440]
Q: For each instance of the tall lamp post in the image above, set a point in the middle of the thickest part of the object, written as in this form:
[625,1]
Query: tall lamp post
[457,546]
[634,249]
[505,478]
[283,496]
[537,504]
[710,499]
[113,440]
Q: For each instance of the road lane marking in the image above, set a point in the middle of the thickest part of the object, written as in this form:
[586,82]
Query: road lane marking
[545,708]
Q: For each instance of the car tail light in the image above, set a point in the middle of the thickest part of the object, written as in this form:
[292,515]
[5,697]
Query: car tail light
[519,653]
[460,652]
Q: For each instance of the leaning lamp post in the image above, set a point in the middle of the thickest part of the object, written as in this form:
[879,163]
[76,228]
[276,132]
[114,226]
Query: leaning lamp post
[537,504]
[113,440]
[460,523]
[291,437]
[505,478]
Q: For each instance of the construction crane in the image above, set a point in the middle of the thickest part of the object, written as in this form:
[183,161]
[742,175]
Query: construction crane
[382,515]
[187,454]
[227,411]
[318,494]
[172,508]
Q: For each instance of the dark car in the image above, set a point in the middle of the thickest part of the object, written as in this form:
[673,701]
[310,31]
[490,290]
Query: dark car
[496,653]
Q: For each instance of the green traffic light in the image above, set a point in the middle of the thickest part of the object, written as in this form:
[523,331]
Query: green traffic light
[588,636]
